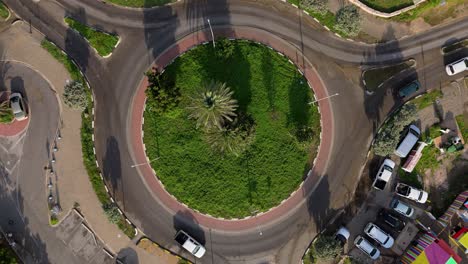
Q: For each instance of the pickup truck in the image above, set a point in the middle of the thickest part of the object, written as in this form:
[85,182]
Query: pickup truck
[384,174]
[411,193]
[190,244]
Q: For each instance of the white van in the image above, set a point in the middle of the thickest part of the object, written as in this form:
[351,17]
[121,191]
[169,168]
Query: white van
[408,142]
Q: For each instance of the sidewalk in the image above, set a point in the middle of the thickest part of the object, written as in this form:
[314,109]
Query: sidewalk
[71,180]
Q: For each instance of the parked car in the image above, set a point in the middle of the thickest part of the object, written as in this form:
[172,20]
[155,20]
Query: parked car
[392,220]
[190,244]
[342,235]
[409,89]
[367,247]
[412,193]
[374,232]
[408,142]
[401,208]
[384,174]
[457,66]
[17,106]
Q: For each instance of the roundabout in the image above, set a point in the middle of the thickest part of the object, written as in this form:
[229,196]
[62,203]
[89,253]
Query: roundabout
[262,165]
[159,35]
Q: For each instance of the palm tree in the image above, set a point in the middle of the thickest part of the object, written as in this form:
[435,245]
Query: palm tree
[224,141]
[212,107]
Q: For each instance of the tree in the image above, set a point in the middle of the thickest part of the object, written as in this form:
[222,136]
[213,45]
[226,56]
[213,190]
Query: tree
[112,212]
[212,107]
[387,140]
[319,6]
[348,20]
[327,247]
[7,256]
[75,95]
[230,140]
[162,92]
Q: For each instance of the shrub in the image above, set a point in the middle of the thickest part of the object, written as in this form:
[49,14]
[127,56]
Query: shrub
[7,256]
[224,48]
[6,115]
[327,247]
[319,6]
[389,137]
[75,95]
[348,20]
[112,212]
[162,93]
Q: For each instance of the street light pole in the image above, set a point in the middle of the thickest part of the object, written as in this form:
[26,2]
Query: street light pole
[212,35]
[330,96]
[140,164]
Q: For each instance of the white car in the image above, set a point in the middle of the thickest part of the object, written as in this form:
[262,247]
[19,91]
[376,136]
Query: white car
[17,105]
[412,193]
[384,174]
[374,232]
[190,244]
[342,235]
[401,208]
[457,66]
[367,247]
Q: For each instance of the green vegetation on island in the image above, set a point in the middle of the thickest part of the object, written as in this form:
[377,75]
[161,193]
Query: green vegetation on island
[265,106]
[104,43]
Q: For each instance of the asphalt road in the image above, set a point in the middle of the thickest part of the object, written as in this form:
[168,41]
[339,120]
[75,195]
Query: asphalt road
[23,201]
[145,33]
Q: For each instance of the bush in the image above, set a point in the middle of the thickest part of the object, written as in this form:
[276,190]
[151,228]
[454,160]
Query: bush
[112,212]
[319,6]
[224,48]
[75,95]
[162,93]
[7,256]
[327,247]
[389,137]
[348,20]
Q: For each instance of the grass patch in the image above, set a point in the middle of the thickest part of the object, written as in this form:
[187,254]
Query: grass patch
[141,3]
[416,12]
[387,6]
[270,90]
[376,76]
[104,43]
[431,133]
[428,159]
[86,133]
[6,117]
[410,178]
[328,19]
[427,99]
[455,46]
[462,126]
[4,13]
[53,220]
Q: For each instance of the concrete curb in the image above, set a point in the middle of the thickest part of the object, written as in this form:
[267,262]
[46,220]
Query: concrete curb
[374,12]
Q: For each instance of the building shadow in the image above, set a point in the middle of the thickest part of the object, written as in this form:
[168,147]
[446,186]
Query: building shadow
[454,55]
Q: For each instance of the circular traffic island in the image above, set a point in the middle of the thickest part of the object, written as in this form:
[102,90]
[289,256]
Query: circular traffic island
[230,130]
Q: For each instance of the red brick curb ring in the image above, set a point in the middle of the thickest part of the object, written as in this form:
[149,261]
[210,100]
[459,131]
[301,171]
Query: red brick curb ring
[295,198]
[15,127]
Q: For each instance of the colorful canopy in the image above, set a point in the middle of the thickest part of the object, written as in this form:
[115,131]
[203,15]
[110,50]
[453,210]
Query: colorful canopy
[464,240]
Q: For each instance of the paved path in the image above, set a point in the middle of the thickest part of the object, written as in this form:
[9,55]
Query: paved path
[324,150]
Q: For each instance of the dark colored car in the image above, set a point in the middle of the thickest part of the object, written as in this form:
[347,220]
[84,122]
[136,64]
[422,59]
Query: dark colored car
[392,220]
[409,89]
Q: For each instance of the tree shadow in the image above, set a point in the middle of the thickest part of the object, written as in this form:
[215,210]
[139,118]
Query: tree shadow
[318,204]
[75,45]
[112,169]
[127,256]
[299,107]
[184,220]
[268,82]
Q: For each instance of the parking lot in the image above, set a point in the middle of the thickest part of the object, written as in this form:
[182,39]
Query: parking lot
[371,211]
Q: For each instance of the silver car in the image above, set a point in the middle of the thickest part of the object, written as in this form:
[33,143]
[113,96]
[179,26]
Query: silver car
[17,105]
